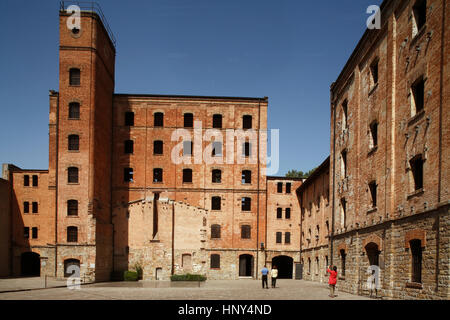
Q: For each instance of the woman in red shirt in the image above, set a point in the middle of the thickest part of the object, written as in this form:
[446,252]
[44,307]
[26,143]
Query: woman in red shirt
[332,280]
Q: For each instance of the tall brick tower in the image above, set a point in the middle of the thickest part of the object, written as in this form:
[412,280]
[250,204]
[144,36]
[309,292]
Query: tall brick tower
[80,145]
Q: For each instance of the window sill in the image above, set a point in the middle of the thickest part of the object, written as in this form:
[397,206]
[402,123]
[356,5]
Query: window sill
[188,183]
[75,85]
[72,216]
[158,155]
[372,151]
[157,182]
[416,193]
[73,183]
[416,117]
[215,210]
[73,151]
[216,183]
[372,210]
[373,89]
[73,119]
[414,285]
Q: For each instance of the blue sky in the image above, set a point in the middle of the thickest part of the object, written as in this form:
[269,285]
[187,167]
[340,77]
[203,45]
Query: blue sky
[288,50]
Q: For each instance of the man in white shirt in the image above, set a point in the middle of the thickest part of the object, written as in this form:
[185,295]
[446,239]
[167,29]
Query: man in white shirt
[274,275]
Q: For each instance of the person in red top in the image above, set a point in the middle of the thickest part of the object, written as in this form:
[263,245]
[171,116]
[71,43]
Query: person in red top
[332,280]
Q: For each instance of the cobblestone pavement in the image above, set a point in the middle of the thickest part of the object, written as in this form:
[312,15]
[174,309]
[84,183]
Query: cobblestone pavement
[245,289]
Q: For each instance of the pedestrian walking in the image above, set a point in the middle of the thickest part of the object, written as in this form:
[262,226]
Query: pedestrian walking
[264,273]
[332,270]
[274,275]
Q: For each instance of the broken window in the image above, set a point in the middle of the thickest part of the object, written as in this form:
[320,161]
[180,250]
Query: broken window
[418,96]
[26,207]
[246,232]
[247,122]
[246,177]
[280,187]
[419,15]
[279,235]
[215,231]
[216,176]
[246,204]
[74,77]
[287,237]
[373,193]
[72,234]
[187,175]
[26,232]
[217,121]
[34,207]
[157,175]
[217,149]
[74,110]
[26,180]
[158,119]
[215,261]
[157,147]
[216,203]
[279,213]
[35,180]
[374,72]
[416,252]
[417,171]
[34,232]
[188,120]
[72,207]
[72,175]
[188,146]
[129,118]
[373,134]
[288,187]
[74,142]
[288,213]
[128,175]
[129,146]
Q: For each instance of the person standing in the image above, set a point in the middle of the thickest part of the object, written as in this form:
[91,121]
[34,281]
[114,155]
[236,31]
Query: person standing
[264,273]
[274,275]
[332,270]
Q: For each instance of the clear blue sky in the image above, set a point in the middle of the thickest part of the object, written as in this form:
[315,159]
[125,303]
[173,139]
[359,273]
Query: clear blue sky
[288,50]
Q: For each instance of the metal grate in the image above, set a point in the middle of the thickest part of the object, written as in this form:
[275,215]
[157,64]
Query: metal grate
[88,6]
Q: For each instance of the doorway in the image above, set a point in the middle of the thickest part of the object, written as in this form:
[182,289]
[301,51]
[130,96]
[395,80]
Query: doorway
[30,263]
[245,265]
[284,265]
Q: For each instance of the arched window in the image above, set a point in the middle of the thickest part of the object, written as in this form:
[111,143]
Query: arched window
[74,142]
[215,231]
[215,261]
[72,175]
[188,120]
[216,176]
[74,77]
[74,110]
[72,207]
[158,120]
[187,175]
[72,234]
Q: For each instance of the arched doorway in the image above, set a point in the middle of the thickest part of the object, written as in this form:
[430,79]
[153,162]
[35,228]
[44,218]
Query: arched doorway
[72,267]
[245,265]
[373,254]
[285,265]
[30,264]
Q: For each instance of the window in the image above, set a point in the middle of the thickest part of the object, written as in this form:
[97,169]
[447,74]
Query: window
[417,172]
[215,261]
[418,96]
[188,120]
[188,146]
[246,204]
[280,187]
[157,175]
[343,255]
[246,177]
[288,213]
[246,149]
[317,232]
[72,176]
[217,149]
[216,176]
[344,115]
[278,237]
[373,193]
[129,118]
[318,202]
[288,187]
[343,212]
[416,252]
[158,119]
[246,232]
[129,146]
[217,121]
[72,234]
[158,147]
[26,232]
[128,175]
[26,207]
[74,110]
[35,181]
[34,206]
[72,207]
[26,180]
[74,142]
[215,231]
[187,175]
[328,227]
[279,213]
[309,265]
[374,72]
[317,265]
[34,232]
[247,122]
[287,237]
[344,164]
[420,15]
[74,77]
[216,203]
[373,134]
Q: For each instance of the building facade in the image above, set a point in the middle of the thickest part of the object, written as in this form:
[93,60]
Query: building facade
[390,156]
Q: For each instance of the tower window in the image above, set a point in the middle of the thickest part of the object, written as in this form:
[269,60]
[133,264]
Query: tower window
[157,175]
[187,175]
[74,110]
[344,164]
[246,204]
[34,233]
[279,213]
[34,207]
[72,176]
[72,207]
[287,237]
[26,180]
[246,232]
[128,175]
[374,134]
[215,231]
[74,142]
[216,203]
[129,118]
[158,147]
[26,232]
[279,235]
[215,261]
[188,120]
[418,95]
[416,251]
[280,187]
[72,234]
[26,207]
[246,177]
[344,115]
[288,213]
[343,212]
[158,120]
[217,121]
[247,122]
[374,72]
[216,176]
[74,77]
[128,146]
[417,171]
[420,15]
[246,149]
[343,256]
[373,193]
[288,187]
[35,180]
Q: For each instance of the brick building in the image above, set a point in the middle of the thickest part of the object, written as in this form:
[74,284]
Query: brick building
[390,155]
[114,198]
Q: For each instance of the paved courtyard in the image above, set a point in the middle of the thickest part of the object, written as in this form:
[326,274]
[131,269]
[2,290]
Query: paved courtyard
[245,289]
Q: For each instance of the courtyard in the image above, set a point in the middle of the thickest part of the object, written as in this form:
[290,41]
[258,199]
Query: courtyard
[244,289]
